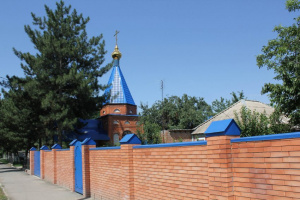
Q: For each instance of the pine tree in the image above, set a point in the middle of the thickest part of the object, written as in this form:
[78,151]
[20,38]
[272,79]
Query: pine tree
[66,67]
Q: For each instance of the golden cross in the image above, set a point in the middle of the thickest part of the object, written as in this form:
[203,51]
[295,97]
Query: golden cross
[116,35]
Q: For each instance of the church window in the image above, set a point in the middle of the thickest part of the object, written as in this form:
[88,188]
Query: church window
[103,111]
[130,111]
[116,122]
[116,110]
[116,139]
[127,122]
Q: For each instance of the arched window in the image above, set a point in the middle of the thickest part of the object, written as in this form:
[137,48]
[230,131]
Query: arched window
[127,122]
[130,111]
[116,139]
[126,132]
[103,112]
[116,110]
[115,122]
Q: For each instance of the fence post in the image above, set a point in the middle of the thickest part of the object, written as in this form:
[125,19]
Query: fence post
[31,160]
[42,161]
[72,153]
[54,148]
[220,176]
[127,144]
[86,145]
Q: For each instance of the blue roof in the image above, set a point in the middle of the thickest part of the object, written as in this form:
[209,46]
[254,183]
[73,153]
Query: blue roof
[118,89]
[223,127]
[218,126]
[130,139]
[93,129]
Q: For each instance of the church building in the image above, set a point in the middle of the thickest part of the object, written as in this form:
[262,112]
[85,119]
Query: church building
[119,115]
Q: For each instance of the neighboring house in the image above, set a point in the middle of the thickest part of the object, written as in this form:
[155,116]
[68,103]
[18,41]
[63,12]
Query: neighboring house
[229,113]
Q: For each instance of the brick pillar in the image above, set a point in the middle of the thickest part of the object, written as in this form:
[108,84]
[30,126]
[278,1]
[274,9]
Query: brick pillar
[42,162]
[86,169]
[54,166]
[72,148]
[31,159]
[220,167]
[127,171]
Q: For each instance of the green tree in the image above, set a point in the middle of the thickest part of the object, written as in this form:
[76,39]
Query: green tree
[65,70]
[253,123]
[174,112]
[20,124]
[282,55]
[222,104]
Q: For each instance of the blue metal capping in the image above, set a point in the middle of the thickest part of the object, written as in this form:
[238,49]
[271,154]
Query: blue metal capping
[268,137]
[63,150]
[105,148]
[179,144]
[47,150]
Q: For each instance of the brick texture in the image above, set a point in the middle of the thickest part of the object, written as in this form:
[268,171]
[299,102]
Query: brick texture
[218,170]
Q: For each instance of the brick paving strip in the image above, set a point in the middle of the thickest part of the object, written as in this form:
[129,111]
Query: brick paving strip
[18,185]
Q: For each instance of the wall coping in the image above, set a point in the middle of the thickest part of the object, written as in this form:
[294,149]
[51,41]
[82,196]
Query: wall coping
[105,148]
[178,144]
[47,150]
[63,150]
[268,137]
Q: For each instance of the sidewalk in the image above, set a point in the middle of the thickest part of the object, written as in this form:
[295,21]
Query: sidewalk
[18,185]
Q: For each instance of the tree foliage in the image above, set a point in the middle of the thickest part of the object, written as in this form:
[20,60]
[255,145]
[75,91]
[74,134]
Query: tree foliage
[61,78]
[174,112]
[253,123]
[222,104]
[282,56]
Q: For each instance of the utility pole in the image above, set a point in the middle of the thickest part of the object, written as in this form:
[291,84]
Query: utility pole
[162,116]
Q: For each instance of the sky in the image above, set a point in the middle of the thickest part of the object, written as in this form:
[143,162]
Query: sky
[200,48]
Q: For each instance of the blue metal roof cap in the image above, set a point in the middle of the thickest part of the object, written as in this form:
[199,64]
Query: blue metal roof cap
[118,89]
[88,141]
[33,149]
[73,142]
[130,139]
[56,146]
[223,127]
[44,147]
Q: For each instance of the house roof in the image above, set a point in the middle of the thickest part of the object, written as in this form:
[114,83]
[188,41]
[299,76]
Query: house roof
[229,113]
[118,89]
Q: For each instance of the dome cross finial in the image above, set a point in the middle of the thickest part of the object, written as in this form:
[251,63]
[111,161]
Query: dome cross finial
[116,54]
[116,35]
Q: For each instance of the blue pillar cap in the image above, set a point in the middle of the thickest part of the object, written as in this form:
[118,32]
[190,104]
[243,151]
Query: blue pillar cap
[223,127]
[130,139]
[33,149]
[73,142]
[44,148]
[56,146]
[88,141]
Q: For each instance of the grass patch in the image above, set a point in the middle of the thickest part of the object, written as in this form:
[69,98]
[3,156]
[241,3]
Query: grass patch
[18,165]
[2,195]
[4,161]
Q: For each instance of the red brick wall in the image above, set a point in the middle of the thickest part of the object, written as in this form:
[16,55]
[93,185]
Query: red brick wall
[48,166]
[267,169]
[222,169]
[170,173]
[65,165]
[106,174]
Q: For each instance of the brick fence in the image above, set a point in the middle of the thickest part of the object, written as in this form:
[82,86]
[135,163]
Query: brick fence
[224,166]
